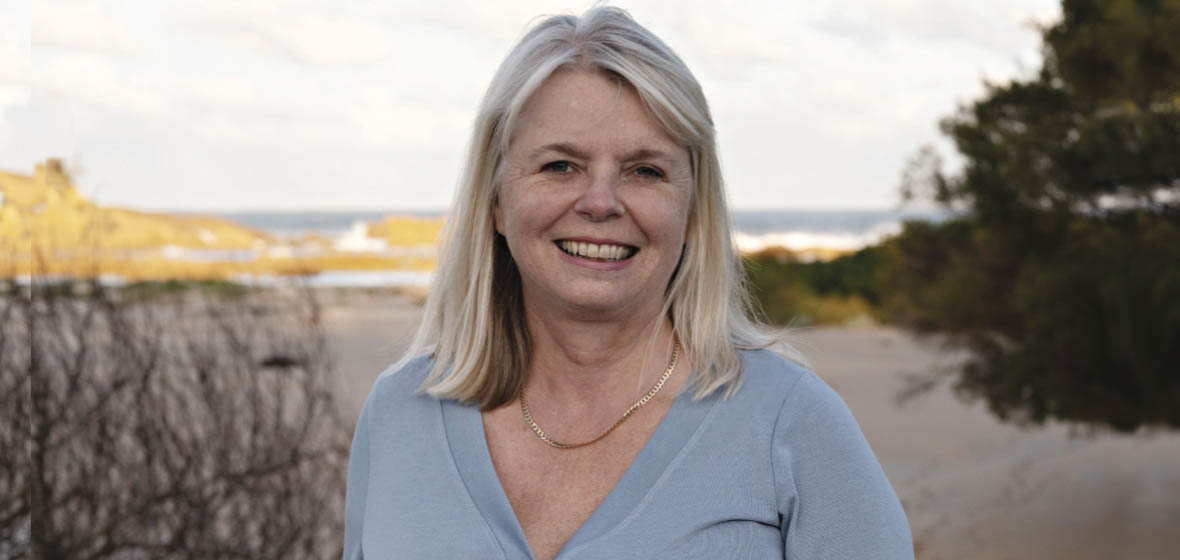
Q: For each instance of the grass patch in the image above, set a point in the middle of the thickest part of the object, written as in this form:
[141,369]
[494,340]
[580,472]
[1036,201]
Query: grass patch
[841,291]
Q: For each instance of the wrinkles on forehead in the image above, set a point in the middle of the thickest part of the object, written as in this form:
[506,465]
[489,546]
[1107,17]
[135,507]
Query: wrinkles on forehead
[595,109]
[573,105]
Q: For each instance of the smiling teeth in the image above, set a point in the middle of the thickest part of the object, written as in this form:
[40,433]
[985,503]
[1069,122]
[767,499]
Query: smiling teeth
[599,252]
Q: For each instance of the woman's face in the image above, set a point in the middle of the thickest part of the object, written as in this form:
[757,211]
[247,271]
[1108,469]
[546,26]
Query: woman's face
[594,199]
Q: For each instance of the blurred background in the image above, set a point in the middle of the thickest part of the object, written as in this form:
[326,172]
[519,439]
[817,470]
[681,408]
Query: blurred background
[218,221]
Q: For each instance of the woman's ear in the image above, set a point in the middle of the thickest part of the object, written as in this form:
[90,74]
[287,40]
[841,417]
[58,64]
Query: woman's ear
[497,216]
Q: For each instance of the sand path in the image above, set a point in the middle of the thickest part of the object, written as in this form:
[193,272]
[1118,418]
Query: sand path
[975,488]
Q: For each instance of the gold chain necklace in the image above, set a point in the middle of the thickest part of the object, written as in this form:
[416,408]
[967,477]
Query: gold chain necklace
[528,416]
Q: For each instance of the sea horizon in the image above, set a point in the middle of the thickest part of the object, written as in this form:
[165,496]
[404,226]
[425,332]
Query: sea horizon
[755,230]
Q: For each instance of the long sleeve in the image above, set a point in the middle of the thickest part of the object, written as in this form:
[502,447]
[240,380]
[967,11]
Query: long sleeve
[358,479]
[833,497]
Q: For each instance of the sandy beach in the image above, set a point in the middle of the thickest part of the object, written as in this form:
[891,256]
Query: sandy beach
[971,486]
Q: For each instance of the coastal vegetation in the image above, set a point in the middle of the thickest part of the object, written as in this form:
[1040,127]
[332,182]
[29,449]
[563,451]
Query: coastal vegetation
[195,423]
[1061,269]
[1063,275]
[798,292]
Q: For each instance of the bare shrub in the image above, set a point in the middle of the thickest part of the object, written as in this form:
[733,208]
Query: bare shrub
[175,423]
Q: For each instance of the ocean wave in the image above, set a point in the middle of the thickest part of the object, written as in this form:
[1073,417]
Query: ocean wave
[811,241]
[357,240]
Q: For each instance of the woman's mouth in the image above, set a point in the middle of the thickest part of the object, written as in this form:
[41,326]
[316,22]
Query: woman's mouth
[597,252]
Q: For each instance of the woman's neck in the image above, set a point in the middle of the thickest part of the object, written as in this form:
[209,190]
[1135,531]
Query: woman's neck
[586,366]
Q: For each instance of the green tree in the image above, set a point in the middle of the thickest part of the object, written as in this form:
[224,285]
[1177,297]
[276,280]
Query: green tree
[1063,273]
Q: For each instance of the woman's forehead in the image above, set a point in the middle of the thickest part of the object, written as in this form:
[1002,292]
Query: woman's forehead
[581,110]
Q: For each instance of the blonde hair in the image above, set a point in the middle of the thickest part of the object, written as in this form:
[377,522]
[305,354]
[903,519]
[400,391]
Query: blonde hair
[474,325]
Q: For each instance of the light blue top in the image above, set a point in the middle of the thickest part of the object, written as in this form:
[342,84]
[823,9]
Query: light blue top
[779,470]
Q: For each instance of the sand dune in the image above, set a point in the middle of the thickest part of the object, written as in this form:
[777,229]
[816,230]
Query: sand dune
[46,207]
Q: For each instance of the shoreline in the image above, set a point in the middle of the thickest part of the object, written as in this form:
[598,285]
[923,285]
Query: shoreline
[362,269]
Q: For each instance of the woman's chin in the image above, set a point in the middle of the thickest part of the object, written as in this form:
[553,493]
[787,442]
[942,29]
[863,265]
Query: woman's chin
[603,303]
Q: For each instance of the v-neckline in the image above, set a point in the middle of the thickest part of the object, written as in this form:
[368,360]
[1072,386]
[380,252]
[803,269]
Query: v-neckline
[469,449]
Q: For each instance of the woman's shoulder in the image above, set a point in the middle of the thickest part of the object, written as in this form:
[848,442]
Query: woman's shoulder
[835,499]
[769,374]
[791,390]
[813,429]
[398,385]
[768,381]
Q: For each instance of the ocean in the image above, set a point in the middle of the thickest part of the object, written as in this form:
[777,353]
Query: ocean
[754,229]
[807,232]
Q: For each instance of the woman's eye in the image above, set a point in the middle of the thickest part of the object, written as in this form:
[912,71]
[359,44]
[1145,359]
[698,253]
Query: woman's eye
[649,171]
[557,166]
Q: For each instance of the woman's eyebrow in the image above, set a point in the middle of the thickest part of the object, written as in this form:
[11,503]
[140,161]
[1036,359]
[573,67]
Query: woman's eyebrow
[573,151]
[563,148]
[649,154]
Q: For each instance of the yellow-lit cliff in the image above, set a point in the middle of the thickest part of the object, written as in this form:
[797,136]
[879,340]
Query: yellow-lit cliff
[47,227]
[46,210]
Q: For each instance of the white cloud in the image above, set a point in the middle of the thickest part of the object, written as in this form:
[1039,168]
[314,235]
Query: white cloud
[229,89]
[40,126]
[12,98]
[308,39]
[92,77]
[333,41]
[14,42]
[382,120]
[314,33]
[90,25]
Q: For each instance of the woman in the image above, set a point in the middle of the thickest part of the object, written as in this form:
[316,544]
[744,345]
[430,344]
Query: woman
[589,384]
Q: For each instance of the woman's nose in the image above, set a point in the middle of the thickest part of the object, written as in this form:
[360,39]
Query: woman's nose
[600,201]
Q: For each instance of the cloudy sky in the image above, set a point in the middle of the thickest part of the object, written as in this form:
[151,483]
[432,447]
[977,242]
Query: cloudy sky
[325,105]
